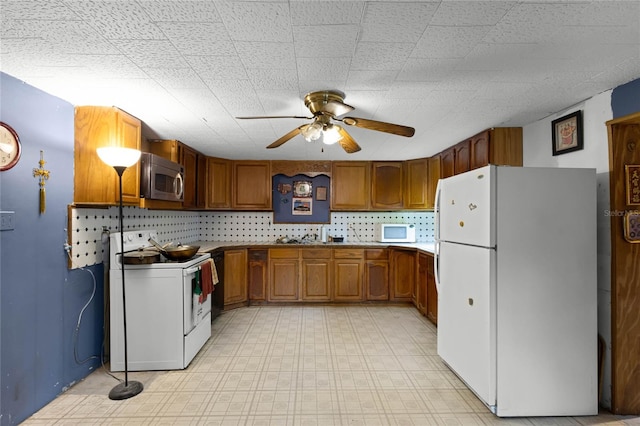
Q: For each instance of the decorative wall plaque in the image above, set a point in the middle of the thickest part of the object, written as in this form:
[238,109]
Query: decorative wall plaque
[632,184]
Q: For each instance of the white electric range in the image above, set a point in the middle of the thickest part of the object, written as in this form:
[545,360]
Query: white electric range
[166,325]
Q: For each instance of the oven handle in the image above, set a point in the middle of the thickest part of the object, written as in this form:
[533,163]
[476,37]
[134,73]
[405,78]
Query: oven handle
[191,270]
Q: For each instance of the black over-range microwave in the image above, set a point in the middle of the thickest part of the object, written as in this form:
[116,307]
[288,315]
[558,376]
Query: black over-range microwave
[160,179]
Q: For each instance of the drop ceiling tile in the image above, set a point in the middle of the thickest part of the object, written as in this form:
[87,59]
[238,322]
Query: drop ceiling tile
[448,42]
[217,67]
[181,11]
[396,22]
[470,13]
[394,13]
[320,68]
[326,12]
[266,55]
[256,21]
[199,38]
[117,20]
[176,77]
[381,56]
[325,40]
[370,80]
[150,53]
[35,10]
[279,79]
[427,70]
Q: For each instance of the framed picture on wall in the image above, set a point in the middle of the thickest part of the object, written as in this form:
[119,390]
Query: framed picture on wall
[566,133]
[302,206]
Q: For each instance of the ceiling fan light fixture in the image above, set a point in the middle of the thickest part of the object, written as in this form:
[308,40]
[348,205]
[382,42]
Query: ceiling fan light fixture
[312,132]
[331,134]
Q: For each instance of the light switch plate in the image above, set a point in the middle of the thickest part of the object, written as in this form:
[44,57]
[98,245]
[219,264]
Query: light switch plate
[7,221]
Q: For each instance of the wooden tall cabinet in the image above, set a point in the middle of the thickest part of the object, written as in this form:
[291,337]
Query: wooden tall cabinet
[94,181]
[350,185]
[251,185]
[218,184]
[387,183]
[624,149]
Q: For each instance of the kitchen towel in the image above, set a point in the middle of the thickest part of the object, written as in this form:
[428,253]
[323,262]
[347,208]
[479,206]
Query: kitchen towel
[209,278]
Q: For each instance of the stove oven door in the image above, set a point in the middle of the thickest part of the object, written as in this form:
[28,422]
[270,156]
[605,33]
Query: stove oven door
[195,307]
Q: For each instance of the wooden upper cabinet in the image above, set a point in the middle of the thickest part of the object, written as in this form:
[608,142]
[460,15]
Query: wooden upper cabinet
[189,159]
[251,187]
[505,146]
[479,150]
[417,184]
[447,163]
[94,181]
[434,176]
[387,185]
[194,164]
[218,183]
[350,185]
[462,157]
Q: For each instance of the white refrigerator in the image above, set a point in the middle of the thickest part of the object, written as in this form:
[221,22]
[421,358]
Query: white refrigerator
[515,265]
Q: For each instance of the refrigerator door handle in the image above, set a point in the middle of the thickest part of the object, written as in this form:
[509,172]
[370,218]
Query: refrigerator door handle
[436,265]
[436,210]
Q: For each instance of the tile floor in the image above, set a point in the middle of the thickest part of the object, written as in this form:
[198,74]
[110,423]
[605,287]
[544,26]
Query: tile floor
[300,365]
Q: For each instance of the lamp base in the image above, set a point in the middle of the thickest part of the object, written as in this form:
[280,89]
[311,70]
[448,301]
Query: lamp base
[123,391]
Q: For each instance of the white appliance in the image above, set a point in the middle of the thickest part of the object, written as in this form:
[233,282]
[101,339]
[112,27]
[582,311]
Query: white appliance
[515,264]
[395,233]
[166,325]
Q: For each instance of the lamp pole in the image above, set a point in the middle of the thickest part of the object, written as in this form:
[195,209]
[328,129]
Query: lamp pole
[120,159]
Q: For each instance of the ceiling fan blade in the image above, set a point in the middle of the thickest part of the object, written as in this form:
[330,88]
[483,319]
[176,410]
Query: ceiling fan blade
[347,143]
[274,116]
[286,137]
[380,126]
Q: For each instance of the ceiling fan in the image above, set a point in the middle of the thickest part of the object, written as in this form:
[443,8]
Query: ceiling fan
[327,106]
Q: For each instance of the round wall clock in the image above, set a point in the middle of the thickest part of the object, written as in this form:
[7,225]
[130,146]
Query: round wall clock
[10,148]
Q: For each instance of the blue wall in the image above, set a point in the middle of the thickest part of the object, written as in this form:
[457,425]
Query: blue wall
[625,99]
[40,299]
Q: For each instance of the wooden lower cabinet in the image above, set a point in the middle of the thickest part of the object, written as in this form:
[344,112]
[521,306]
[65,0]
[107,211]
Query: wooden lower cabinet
[284,274]
[347,275]
[376,274]
[403,275]
[258,275]
[316,274]
[432,291]
[421,283]
[235,276]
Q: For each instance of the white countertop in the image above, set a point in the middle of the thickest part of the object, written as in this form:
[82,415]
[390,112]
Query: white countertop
[207,246]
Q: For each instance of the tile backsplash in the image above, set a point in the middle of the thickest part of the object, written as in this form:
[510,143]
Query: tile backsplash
[87,226]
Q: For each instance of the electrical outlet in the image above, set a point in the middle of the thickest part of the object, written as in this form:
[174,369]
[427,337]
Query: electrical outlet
[7,221]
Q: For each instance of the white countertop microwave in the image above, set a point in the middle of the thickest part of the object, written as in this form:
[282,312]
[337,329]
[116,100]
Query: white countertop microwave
[395,233]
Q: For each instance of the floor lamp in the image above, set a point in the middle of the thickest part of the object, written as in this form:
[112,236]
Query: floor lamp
[121,158]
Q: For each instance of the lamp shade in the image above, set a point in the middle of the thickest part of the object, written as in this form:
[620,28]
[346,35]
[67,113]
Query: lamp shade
[116,156]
